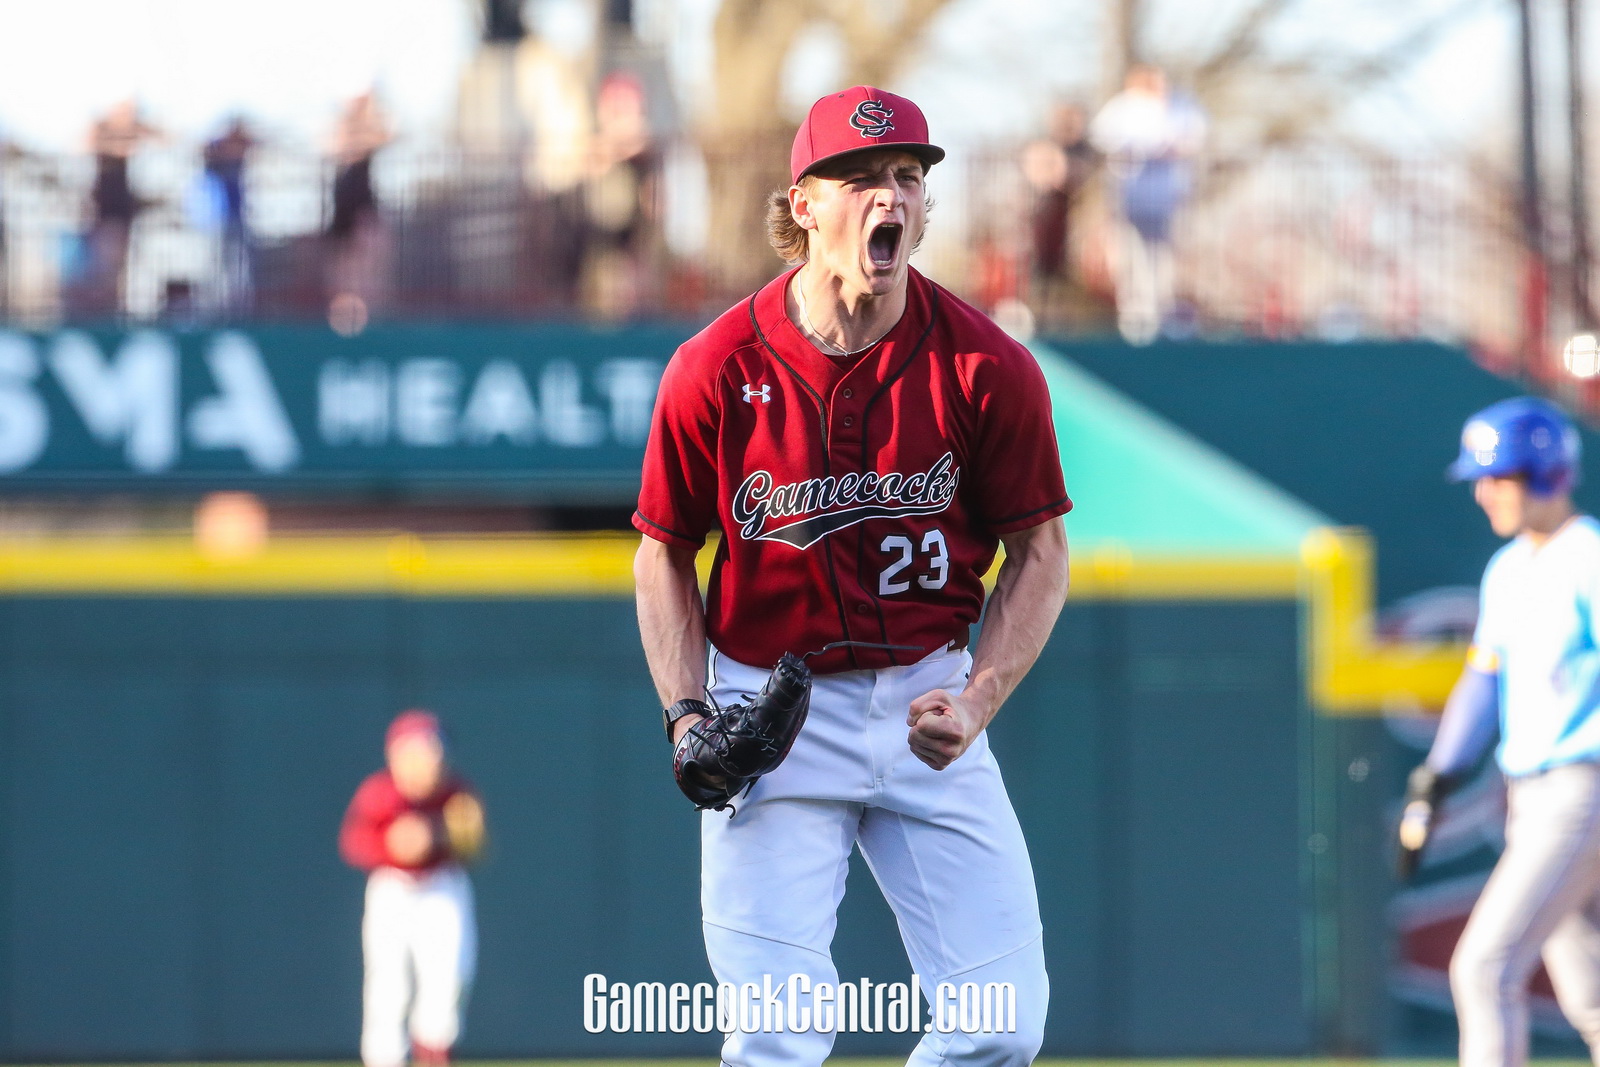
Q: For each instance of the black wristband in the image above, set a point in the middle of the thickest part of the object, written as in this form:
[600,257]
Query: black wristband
[1427,784]
[688,706]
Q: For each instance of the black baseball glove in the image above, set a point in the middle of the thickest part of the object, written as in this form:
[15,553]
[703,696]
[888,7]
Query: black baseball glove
[1425,791]
[721,756]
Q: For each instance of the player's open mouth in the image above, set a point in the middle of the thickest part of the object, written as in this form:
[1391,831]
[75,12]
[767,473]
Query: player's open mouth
[884,243]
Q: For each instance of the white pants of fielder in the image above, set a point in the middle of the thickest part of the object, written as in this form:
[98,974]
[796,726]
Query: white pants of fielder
[419,938]
[944,847]
[1542,899]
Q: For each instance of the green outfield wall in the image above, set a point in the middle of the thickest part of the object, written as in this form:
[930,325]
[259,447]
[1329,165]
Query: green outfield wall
[175,770]
[1362,432]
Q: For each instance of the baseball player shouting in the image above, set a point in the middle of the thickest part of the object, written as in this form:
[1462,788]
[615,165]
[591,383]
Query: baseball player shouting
[1533,677]
[411,826]
[866,441]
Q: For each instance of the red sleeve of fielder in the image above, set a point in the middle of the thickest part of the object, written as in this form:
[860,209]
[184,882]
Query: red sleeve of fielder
[361,835]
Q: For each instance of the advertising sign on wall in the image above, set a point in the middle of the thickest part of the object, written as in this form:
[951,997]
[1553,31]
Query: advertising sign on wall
[560,412]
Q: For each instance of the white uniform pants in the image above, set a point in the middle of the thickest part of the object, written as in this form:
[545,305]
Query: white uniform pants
[1544,895]
[944,846]
[419,927]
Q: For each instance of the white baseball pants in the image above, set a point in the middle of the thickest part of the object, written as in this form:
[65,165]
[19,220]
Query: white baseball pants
[1544,896]
[944,847]
[420,927]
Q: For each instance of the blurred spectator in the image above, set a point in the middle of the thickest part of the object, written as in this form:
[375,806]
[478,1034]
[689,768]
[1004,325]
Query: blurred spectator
[355,233]
[113,206]
[1150,136]
[1058,167]
[620,197]
[996,268]
[225,157]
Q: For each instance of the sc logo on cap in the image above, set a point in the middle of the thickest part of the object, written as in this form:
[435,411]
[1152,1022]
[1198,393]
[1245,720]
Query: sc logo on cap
[872,118]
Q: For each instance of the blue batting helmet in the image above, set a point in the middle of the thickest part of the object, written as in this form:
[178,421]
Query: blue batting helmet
[1523,435]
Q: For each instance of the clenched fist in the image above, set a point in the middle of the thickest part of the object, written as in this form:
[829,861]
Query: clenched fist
[943,725]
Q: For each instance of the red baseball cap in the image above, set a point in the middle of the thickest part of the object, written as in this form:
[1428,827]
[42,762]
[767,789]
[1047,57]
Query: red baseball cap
[856,120]
[411,722]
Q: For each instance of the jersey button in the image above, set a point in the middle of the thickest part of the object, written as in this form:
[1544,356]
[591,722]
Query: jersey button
[848,393]
[849,420]
[861,609]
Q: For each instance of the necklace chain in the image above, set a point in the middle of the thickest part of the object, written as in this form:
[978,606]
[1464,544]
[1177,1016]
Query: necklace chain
[838,350]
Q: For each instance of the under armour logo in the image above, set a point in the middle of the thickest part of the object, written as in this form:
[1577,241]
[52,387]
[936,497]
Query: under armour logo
[872,118]
[765,393]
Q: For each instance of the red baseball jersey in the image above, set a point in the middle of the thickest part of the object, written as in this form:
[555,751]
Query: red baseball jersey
[860,499]
[375,806]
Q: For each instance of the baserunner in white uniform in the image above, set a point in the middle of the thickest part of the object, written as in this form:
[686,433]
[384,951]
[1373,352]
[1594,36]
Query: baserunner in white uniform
[1534,672]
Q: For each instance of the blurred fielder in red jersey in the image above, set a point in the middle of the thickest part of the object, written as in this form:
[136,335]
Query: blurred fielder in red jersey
[866,441]
[411,826]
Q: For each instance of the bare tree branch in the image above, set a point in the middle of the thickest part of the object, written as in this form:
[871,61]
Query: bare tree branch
[1243,41]
[1297,97]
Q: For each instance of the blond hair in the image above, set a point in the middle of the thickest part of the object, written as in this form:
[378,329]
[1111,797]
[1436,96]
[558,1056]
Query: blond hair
[786,236]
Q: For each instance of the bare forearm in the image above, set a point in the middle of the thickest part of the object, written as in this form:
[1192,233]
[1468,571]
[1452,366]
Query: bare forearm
[1028,595]
[671,620]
